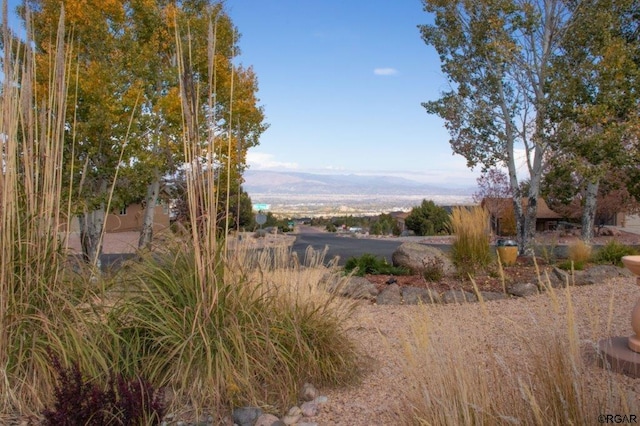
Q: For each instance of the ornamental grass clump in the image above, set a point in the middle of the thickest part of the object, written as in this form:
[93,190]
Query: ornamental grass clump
[37,297]
[46,297]
[269,330]
[470,250]
[579,252]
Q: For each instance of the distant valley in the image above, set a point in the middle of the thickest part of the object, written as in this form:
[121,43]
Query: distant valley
[307,194]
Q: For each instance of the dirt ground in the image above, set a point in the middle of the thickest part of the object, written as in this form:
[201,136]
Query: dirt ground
[127,242]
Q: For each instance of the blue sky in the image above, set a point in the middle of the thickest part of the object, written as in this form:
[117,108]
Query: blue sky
[341,82]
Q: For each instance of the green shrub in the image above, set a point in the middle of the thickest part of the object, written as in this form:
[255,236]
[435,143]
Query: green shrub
[427,219]
[470,250]
[384,224]
[612,253]
[569,265]
[370,264]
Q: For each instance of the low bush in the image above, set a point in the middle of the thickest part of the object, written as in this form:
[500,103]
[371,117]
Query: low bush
[570,265]
[613,252]
[79,401]
[370,264]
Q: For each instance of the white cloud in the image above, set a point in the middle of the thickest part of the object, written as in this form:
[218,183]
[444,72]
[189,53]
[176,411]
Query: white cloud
[334,168]
[262,160]
[385,71]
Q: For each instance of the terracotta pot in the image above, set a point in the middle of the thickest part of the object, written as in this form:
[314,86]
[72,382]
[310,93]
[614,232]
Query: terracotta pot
[632,263]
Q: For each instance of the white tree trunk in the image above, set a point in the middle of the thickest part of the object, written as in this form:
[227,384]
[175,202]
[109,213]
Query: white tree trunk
[589,210]
[91,224]
[146,233]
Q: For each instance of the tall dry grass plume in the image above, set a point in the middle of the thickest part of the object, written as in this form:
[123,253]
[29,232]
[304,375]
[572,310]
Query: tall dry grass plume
[218,326]
[227,326]
[470,250]
[32,213]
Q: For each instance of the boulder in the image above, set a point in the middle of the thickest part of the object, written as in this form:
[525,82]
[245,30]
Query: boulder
[560,278]
[523,289]
[308,392]
[415,256]
[599,273]
[293,416]
[267,420]
[488,296]
[458,296]
[609,232]
[352,287]
[415,296]
[391,295]
[246,416]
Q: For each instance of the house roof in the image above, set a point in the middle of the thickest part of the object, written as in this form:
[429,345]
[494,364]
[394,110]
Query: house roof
[497,205]
[400,215]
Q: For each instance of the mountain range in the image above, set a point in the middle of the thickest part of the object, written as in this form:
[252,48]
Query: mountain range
[299,183]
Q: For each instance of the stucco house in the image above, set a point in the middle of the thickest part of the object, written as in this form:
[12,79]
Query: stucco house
[129,218]
[400,218]
[501,215]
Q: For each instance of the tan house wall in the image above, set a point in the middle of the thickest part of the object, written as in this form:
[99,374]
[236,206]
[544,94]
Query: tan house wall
[130,219]
[631,223]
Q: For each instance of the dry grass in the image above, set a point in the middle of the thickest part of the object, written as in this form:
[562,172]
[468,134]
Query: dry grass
[579,252]
[31,296]
[470,249]
[524,377]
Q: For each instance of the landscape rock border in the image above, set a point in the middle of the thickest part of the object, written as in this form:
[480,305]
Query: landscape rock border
[393,294]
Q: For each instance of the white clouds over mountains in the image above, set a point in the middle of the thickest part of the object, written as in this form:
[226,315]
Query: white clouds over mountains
[261,160]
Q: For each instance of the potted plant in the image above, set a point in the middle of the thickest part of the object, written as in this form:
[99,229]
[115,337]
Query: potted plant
[507,251]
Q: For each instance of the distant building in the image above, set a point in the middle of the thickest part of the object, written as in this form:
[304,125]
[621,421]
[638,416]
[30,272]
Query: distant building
[502,219]
[400,218]
[129,218]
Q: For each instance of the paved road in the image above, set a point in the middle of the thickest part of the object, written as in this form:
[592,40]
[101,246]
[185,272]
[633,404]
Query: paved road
[341,246]
[344,246]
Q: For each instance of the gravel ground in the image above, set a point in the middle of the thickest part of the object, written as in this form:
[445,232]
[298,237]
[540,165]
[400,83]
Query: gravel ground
[378,330]
[601,311]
